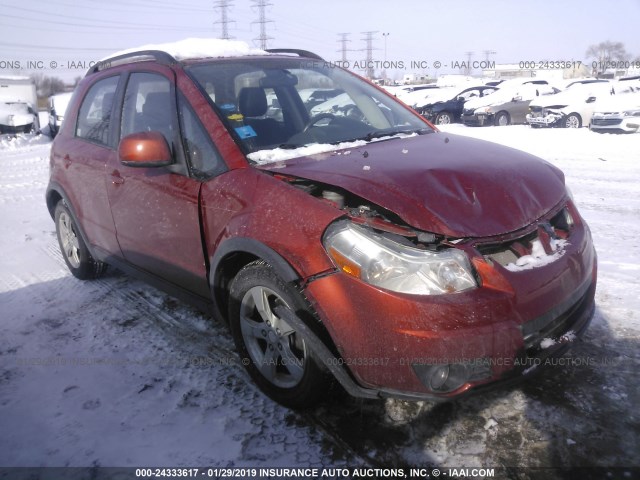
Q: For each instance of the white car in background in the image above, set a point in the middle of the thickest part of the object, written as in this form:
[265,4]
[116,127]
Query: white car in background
[57,107]
[571,108]
[619,114]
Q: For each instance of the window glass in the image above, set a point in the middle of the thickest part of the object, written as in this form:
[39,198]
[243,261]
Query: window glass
[94,118]
[290,103]
[147,106]
[201,154]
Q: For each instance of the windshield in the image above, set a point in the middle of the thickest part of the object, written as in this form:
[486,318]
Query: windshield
[289,103]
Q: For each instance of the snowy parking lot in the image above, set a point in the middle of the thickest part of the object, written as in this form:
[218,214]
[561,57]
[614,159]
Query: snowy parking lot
[116,373]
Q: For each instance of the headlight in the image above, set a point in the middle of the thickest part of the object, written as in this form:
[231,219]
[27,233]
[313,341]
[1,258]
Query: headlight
[631,113]
[384,263]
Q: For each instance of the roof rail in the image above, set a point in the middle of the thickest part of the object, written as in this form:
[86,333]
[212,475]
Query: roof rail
[300,53]
[140,56]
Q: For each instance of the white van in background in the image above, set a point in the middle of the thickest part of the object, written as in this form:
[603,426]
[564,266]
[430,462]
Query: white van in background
[18,105]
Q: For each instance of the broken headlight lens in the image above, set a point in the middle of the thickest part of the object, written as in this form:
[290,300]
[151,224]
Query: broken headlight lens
[385,263]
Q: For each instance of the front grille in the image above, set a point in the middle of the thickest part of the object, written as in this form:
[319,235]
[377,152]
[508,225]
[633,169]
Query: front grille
[604,122]
[507,253]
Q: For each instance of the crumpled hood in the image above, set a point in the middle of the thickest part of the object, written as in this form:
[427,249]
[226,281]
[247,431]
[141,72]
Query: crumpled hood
[442,183]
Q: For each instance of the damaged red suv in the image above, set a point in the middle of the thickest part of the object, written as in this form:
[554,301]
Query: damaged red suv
[346,240]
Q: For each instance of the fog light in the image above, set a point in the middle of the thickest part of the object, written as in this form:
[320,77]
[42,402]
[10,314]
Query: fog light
[443,377]
[439,377]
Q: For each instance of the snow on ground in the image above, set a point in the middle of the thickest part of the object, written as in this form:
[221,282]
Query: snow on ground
[115,373]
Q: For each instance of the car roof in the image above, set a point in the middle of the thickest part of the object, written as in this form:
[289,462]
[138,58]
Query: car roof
[193,50]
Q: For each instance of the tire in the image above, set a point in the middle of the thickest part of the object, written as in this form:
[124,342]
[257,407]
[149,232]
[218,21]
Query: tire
[573,120]
[443,118]
[74,251]
[274,354]
[502,119]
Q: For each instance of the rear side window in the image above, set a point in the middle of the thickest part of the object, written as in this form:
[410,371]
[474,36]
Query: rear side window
[94,118]
[148,106]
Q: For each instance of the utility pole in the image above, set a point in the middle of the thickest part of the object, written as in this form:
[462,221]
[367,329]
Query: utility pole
[222,6]
[467,70]
[488,53]
[343,45]
[262,20]
[368,38]
[384,71]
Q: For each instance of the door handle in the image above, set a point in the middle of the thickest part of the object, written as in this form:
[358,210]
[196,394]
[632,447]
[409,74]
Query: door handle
[116,179]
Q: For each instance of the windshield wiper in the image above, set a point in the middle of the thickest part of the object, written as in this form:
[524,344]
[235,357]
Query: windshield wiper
[289,146]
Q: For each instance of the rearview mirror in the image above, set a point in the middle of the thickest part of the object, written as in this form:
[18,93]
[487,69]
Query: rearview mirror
[144,149]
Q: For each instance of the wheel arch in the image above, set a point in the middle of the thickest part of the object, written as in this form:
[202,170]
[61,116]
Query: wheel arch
[55,194]
[230,257]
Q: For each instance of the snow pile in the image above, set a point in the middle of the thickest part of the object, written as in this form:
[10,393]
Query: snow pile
[538,257]
[570,336]
[263,157]
[199,48]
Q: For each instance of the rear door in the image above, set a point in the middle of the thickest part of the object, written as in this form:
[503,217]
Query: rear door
[83,149]
[155,210]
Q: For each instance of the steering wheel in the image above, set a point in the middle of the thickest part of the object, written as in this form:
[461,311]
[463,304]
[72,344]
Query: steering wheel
[316,118]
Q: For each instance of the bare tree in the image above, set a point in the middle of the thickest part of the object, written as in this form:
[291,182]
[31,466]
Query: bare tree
[605,52]
[47,86]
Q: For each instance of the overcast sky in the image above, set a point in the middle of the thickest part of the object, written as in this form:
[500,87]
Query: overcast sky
[56,32]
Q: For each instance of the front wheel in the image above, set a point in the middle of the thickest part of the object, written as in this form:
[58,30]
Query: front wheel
[74,251]
[273,352]
[444,118]
[573,121]
[502,119]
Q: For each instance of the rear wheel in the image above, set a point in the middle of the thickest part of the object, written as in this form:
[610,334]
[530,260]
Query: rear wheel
[573,120]
[273,352]
[74,251]
[502,119]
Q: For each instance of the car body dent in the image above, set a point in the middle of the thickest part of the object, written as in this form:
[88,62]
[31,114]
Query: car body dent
[443,183]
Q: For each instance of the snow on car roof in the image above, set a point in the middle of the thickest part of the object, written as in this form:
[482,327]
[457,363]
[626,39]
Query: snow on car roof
[198,48]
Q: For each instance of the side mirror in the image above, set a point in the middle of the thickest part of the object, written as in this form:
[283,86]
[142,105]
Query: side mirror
[144,149]
[517,98]
[591,99]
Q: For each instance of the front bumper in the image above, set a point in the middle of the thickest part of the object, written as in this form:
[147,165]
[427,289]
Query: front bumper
[390,343]
[547,120]
[477,119]
[614,123]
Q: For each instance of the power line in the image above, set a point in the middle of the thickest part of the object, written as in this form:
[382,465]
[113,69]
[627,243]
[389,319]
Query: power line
[262,20]
[222,6]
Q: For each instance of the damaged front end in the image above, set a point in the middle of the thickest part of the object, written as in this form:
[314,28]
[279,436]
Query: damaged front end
[546,117]
[427,315]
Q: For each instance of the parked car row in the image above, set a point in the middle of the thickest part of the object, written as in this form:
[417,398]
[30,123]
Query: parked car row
[600,104]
